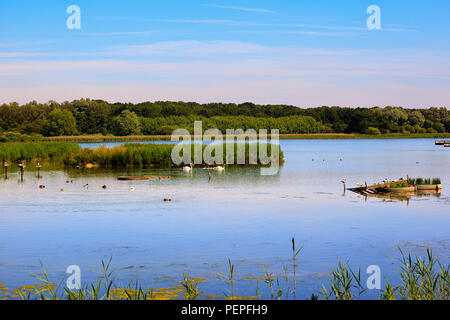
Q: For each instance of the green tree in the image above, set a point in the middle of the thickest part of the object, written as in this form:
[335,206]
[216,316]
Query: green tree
[61,123]
[373,130]
[125,124]
[416,118]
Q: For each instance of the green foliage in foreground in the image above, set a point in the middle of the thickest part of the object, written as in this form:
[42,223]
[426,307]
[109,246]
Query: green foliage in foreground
[129,154]
[421,278]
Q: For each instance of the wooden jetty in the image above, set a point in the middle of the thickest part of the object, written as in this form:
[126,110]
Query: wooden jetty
[442,142]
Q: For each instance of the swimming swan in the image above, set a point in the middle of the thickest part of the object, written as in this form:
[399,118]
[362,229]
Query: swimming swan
[187,168]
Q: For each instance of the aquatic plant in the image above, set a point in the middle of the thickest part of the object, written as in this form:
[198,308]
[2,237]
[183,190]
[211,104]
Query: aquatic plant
[424,181]
[343,281]
[29,151]
[423,278]
[129,154]
[229,279]
[191,287]
[295,252]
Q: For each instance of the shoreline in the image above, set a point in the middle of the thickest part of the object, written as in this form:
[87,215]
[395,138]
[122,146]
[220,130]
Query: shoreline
[293,136]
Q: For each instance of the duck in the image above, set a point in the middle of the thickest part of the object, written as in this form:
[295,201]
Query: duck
[41,186]
[86,186]
[167,199]
[132,188]
[104,186]
[63,189]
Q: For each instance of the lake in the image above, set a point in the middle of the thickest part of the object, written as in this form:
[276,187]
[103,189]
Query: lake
[239,215]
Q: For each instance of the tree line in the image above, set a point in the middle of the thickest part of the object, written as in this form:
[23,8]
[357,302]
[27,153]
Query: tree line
[87,116]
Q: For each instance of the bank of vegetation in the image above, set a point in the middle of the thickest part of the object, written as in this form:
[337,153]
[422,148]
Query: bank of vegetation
[129,154]
[97,117]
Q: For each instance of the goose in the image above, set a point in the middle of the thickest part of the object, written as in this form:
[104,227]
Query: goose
[187,168]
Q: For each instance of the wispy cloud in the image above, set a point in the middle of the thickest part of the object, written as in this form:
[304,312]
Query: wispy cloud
[208,21]
[121,33]
[258,10]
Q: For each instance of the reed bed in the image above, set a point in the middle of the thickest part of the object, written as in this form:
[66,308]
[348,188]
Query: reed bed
[129,154]
[37,151]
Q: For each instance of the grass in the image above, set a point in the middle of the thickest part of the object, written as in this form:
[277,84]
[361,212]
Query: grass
[400,184]
[130,154]
[420,278]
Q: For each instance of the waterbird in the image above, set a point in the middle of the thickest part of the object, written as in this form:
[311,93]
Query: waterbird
[219,168]
[132,188]
[359,184]
[86,186]
[167,199]
[187,168]
[63,189]
[104,186]
[41,186]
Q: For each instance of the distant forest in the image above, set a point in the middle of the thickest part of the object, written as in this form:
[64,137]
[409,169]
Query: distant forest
[87,116]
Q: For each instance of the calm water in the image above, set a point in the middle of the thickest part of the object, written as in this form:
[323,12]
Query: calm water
[240,215]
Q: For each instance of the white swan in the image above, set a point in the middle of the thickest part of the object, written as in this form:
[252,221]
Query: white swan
[187,168]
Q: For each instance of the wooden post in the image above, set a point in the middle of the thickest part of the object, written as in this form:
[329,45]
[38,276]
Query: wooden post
[22,167]
[5,165]
[38,167]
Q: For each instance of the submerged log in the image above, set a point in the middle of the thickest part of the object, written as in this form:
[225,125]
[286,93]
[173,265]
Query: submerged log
[141,178]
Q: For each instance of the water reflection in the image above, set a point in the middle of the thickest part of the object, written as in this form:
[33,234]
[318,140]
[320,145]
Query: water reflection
[239,215]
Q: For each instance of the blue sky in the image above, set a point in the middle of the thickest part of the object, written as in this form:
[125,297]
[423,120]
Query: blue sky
[305,53]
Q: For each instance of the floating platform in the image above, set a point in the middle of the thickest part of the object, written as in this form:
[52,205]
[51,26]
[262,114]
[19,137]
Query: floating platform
[141,178]
[385,188]
[442,142]
[132,178]
[429,187]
